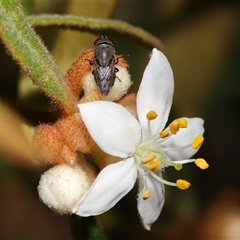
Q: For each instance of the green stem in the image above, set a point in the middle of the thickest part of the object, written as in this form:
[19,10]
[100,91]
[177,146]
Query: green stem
[31,54]
[97,26]
[85,228]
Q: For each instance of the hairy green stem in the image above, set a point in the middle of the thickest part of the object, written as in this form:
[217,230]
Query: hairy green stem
[85,228]
[31,54]
[97,26]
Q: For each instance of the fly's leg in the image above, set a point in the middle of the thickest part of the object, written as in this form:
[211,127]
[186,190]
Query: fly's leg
[90,61]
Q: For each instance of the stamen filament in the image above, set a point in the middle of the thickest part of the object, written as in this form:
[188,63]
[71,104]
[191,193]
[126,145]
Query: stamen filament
[185,161]
[141,168]
[144,179]
[162,180]
[151,115]
[142,171]
[177,148]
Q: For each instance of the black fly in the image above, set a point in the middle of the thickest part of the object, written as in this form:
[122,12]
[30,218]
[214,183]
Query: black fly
[104,61]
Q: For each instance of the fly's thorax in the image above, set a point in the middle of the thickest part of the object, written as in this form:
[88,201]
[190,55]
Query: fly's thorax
[104,54]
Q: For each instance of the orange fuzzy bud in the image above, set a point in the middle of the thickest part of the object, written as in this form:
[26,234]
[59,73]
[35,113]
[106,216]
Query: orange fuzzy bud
[75,134]
[46,144]
[80,67]
[49,147]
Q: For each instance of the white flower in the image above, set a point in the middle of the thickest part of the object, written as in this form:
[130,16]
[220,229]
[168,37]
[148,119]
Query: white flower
[145,148]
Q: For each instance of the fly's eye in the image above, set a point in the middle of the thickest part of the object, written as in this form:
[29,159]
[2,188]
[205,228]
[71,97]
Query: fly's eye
[110,41]
[97,41]
[103,39]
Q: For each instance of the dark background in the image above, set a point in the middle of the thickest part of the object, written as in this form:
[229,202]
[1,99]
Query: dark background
[201,41]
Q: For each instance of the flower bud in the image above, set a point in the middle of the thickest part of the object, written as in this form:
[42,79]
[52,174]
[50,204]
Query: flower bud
[121,85]
[62,186]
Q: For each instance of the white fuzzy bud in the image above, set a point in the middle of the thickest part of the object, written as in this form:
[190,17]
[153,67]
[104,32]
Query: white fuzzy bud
[62,186]
[121,85]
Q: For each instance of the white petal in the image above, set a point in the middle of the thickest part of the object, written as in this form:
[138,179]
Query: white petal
[184,137]
[112,183]
[112,127]
[155,93]
[151,208]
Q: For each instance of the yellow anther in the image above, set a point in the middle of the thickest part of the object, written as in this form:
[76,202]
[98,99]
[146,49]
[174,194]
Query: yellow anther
[182,122]
[146,194]
[178,166]
[151,115]
[148,159]
[201,163]
[197,142]
[164,134]
[183,184]
[174,127]
[153,166]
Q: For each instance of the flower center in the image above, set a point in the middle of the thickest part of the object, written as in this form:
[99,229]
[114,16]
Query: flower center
[151,158]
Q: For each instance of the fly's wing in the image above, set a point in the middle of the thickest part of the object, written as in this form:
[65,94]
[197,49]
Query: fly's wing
[105,77]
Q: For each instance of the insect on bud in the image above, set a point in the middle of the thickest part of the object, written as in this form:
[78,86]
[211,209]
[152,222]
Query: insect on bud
[107,67]
[104,61]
